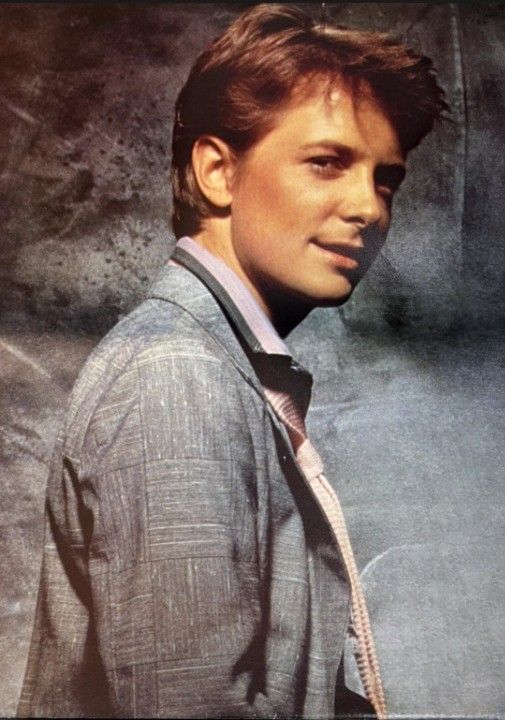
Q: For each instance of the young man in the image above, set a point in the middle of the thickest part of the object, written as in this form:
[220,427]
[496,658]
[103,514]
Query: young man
[196,560]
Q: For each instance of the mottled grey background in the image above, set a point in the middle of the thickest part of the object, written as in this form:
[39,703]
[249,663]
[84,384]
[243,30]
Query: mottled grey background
[409,399]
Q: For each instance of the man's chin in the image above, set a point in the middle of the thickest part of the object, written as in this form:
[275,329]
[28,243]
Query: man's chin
[343,300]
[335,301]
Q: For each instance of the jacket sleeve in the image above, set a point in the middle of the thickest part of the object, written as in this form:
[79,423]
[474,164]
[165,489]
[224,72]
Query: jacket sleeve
[151,596]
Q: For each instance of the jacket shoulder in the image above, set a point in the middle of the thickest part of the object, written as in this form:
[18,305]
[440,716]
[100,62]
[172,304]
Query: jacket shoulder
[157,347]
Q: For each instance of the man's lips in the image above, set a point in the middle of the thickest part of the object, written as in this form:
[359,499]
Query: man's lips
[342,255]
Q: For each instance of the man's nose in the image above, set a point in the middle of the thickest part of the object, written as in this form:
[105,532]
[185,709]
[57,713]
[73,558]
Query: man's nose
[362,205]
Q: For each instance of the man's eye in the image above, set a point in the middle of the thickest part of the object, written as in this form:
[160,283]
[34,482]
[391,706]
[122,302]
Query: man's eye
[386,191]
[388,180]
[327,164]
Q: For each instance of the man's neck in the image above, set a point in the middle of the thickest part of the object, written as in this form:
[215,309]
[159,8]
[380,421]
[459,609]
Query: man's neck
[283,310]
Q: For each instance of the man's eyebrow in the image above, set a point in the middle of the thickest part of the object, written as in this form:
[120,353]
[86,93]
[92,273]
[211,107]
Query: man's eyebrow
[396,169]
[330,147]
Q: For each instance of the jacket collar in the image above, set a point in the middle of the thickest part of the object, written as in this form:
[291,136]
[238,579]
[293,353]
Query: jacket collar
[182,287]
[197,294]
[267,353]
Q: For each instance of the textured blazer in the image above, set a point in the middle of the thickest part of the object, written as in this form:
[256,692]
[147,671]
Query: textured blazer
[187,570]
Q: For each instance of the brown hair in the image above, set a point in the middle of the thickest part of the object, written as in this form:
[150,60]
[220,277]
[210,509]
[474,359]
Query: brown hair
[239,83]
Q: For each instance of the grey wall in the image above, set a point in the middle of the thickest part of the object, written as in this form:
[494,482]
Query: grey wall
[409,396]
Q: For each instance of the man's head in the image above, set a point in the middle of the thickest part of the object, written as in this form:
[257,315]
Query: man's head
[298,126]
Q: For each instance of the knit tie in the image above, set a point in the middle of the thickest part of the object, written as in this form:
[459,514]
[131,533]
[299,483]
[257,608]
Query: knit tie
[327,499]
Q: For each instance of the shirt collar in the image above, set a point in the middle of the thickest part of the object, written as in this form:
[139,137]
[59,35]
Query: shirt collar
[254,325]
[270,356]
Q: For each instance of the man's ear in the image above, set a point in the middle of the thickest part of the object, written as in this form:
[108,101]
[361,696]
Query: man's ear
[213,164]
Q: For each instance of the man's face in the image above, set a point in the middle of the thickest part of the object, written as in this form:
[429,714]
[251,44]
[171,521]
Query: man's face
[312,198]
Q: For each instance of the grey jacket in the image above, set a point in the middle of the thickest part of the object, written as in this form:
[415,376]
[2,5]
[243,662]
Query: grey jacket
[187,570]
